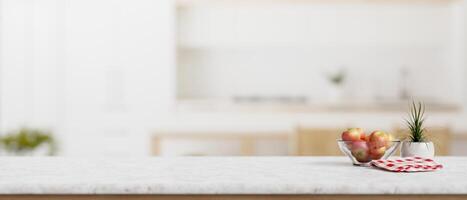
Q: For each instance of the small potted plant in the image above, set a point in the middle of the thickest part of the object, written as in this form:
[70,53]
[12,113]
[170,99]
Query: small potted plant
[28,142]
[337,81]
[417,143]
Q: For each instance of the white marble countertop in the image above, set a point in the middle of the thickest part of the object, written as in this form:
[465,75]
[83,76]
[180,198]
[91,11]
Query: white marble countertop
[221,175]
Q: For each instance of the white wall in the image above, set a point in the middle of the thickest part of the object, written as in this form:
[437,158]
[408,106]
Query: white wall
[28,63]
[98,73]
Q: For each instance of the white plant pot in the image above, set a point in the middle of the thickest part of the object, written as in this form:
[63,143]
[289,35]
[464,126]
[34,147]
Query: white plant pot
[335,94]
[421,149]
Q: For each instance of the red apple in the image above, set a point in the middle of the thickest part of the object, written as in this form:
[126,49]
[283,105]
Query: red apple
[364,137]
[389,142]
[361,151]
[379,139]
[353,134]
[376,152]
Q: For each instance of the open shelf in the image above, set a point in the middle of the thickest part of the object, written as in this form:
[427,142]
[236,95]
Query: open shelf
[187,3]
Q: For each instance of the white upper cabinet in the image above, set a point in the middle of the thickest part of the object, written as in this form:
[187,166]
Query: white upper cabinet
[314,24]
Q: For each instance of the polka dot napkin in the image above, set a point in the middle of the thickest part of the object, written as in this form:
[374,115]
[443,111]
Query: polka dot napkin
[408,164]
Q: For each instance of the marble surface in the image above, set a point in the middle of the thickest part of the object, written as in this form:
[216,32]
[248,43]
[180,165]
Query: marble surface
[221,175]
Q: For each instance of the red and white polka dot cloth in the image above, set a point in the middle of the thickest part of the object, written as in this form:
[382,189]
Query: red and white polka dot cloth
[408,164]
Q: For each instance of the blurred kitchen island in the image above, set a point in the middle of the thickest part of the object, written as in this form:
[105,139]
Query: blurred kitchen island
[292,126]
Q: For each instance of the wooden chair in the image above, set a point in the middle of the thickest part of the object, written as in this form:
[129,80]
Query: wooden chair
[440,136]
[316,142]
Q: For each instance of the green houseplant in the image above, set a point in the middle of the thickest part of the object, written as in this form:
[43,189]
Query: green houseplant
[417,143]
[26,141]
[336,81]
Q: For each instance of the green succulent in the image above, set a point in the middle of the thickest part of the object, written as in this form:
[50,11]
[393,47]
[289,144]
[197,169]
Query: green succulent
[27,140]
[415,122]
[338,77]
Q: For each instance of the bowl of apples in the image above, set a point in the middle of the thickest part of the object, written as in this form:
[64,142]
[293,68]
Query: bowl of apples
[362,148]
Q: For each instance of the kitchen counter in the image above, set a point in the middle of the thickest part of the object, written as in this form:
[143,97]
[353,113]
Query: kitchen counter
[293,176]
[360,106]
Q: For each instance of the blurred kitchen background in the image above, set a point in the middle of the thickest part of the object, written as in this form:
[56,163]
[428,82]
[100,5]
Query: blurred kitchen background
[228,77]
